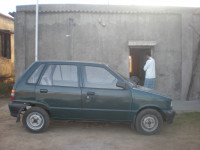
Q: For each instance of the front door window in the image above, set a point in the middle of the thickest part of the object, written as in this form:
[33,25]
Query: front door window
[97,77]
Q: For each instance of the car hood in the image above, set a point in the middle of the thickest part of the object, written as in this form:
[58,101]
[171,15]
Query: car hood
[144,89]
[145,96]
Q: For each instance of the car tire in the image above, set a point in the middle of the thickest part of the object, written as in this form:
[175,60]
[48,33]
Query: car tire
[148,122]
[35,120]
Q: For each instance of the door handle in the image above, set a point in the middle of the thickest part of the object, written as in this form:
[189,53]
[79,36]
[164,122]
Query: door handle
[43,91]
[90,93]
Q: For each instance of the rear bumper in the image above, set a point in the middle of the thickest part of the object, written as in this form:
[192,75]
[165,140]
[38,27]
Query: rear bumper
[169,115]
[16,108]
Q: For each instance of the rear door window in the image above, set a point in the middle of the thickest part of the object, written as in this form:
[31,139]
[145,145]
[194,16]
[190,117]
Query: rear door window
[35,75]
[60,75]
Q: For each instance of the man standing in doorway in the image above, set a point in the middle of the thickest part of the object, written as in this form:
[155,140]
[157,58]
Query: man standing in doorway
[150,73]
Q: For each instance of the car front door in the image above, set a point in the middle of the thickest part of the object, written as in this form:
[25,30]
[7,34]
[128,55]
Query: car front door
[59,89]
[101,98]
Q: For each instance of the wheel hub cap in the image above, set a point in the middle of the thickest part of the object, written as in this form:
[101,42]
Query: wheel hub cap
[149,123]
[35,121]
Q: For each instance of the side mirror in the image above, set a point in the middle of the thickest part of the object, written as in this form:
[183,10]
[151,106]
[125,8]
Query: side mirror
[121,84]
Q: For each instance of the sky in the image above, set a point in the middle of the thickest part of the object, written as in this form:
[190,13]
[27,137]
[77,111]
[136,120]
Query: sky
[10,5]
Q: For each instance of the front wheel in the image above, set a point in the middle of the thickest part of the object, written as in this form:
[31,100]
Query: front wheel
[149,121]
[35,119]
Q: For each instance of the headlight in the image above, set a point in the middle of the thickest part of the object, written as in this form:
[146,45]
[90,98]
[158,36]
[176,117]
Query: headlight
[171,104]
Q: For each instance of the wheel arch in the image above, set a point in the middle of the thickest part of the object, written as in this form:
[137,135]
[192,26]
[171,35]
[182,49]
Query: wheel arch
[42,106]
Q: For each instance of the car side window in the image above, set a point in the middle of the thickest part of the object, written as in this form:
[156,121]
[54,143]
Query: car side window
[98,77]
[60,75]
[47,76]
[35,75]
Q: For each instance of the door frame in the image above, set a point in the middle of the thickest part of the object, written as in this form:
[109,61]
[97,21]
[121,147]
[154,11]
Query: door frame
[52,109]
[128,90]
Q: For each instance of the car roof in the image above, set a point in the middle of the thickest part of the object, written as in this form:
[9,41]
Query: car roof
[75,62]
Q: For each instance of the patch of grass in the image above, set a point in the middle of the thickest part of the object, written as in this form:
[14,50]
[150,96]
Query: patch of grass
[189,121]
[184,117]
[184,123]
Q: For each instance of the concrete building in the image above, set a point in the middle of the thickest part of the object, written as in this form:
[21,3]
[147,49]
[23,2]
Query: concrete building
[6,47]
[118,36]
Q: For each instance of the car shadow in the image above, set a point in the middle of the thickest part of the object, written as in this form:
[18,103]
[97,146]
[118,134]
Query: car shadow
[90,126]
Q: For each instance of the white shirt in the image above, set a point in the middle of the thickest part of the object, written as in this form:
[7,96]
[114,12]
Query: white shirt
[149,68]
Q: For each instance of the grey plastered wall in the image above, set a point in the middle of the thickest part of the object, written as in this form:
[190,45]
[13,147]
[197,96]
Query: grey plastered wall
[102,36]
[20,42]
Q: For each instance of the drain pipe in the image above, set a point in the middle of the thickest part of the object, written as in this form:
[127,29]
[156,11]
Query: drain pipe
[36,32]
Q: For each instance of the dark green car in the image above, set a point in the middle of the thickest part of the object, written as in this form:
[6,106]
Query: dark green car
[85,91]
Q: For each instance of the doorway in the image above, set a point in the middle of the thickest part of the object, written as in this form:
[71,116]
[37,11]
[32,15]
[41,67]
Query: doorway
[137,59]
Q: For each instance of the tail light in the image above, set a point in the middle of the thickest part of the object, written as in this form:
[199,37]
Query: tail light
[12,95]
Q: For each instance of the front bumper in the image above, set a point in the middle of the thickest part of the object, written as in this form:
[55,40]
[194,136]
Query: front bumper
[16,108]
[169,115]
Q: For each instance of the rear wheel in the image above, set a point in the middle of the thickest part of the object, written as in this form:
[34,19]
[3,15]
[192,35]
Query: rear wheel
[149,121]
[35,119]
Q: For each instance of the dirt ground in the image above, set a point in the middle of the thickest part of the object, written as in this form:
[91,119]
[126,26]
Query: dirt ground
[183,134]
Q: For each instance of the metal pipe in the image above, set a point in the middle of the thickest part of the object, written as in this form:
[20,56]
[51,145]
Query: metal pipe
[36,32]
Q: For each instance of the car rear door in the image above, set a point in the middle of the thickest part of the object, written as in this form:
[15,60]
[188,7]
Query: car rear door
[101,98]
[59,88]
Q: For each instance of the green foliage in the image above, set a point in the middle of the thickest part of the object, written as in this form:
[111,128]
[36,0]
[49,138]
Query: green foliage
[5,88]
